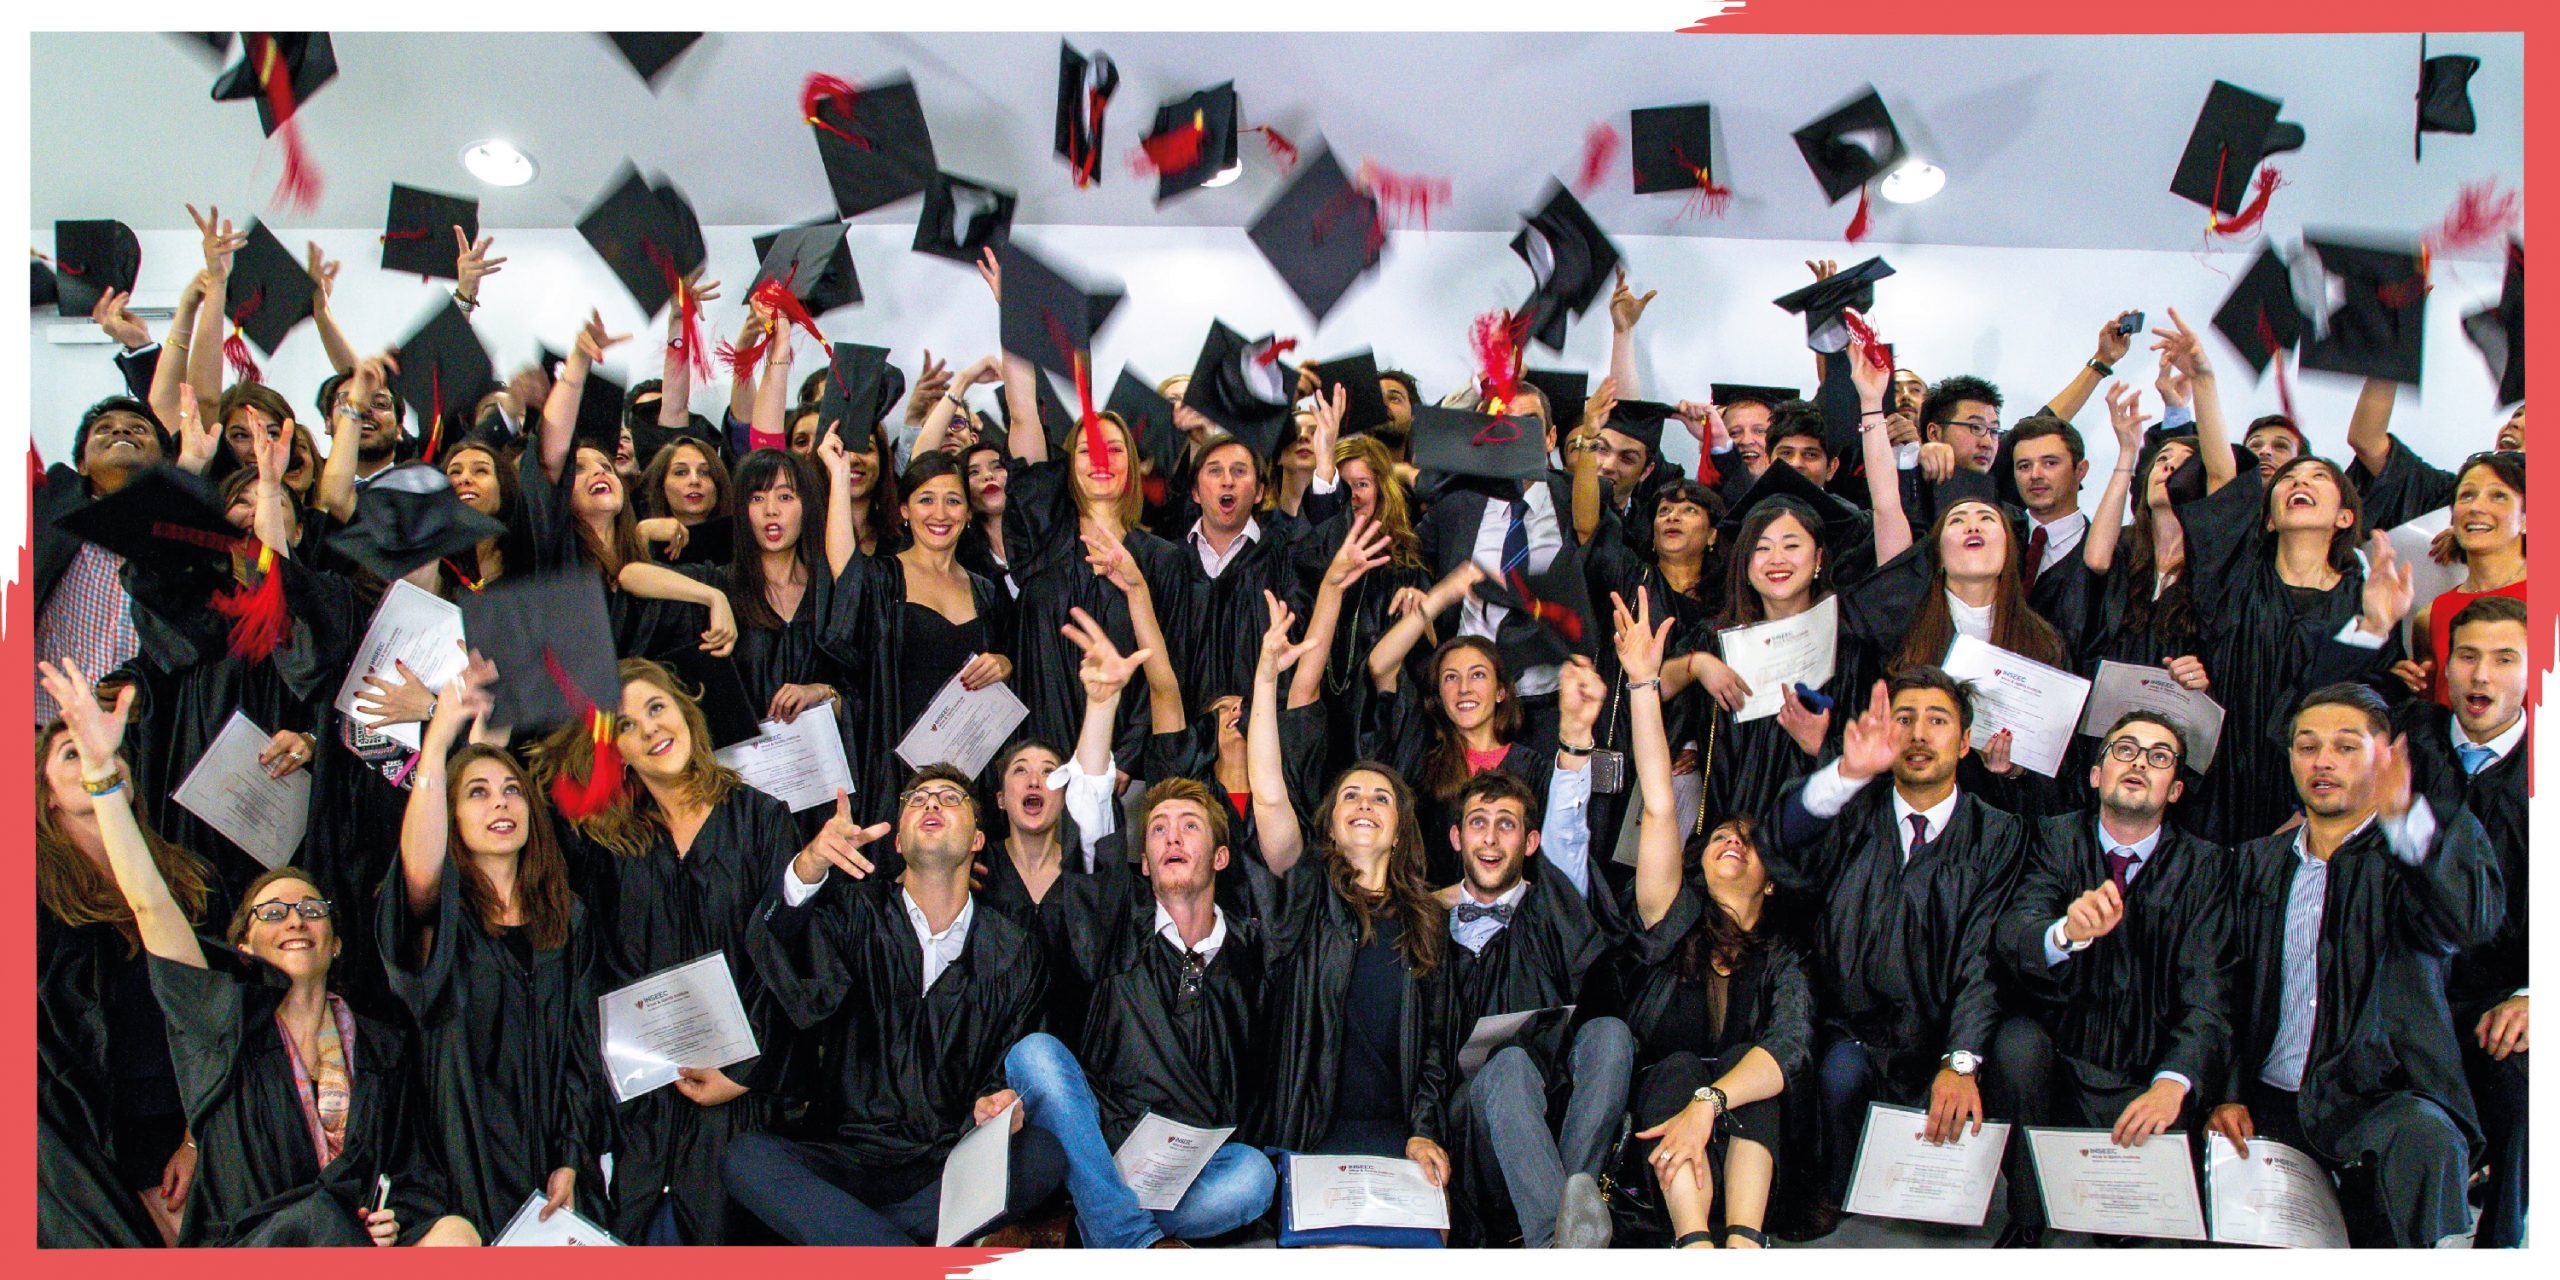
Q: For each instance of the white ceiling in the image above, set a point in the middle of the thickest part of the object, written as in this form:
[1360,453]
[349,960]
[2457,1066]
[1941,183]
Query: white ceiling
[2055,142]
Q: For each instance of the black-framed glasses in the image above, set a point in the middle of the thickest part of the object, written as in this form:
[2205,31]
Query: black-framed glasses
[938,797]
[2126,751]
[1987,426]
[273,910]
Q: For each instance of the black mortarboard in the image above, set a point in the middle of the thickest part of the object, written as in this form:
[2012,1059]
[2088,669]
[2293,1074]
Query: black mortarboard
[817,262]
[2498,330]
[1783,481]
[90,257]
[41,289]
[1673,148]
[1364,402]
[1046,317]
[600,408]
[1850,146]
[2444,95]
[417,234]
[1558,599]
[649,52]
[306,57]
[1150,419]
[1243,386]
[1457,442]
[443,370]
[962,217]
[1821,303]
[644,233]
[1194,140]
[2235,130]
[856,392]
[1085,86]
[1725,395]
[409,517]
[721,692]
[1566,391]
[1057,422]
[1570,258]
[712,541]
[539,630]
[159,517]
[1641,420]
[879,151]
[2260,317]
[2378,329]
[1320,233]
[269,291]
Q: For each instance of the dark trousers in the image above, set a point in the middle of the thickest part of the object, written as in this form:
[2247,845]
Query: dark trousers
[1669,1086]
[2498,1089]
[818,1193]
[2027,1081]
[2402,1166]
[1849,1077]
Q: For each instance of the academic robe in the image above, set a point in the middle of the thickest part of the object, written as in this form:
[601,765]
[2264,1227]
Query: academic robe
[2148,996]
[258,1181]
[861,627]
[662,909]
[1901,948]
[1040,516]
[2388,934]
[1363,622]
[507,1045]
[1748,762]
[2408,487]
[1215,626]
[1777,1016]
[2490,972]
[903,1064]
[1537,961]
[1400,735]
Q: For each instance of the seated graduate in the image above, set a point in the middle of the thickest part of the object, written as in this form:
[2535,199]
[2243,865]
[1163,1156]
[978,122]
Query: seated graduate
[2359,911]
[1908,881]
[913,995]
[2108,958]
[300,1107]
[1173,1026]
[1717,996]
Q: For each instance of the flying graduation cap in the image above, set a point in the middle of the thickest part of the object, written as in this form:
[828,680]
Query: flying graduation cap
[1149,417]
[857,392]
[1822,302]
[91,256]
[2235,131]
[1566,391]
[651,52]
[1364,401]
[1556,600]
[410,517]
[1462,443]
[552,643]
[872,139]
[2498,330]
[2378,327]
[962,218]
[1321,233]
[647,235]
[1085,85]
[269,292]
[1194,140]
[2261,317]
[1244,387]
[2444,96]
[1047,317]
[1570,259]
[443,372]
[1849,148]
[417,232]
[281,70]
[813,262]
[1673,149]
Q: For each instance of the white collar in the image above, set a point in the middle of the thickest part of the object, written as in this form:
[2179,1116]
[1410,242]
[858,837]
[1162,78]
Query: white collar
[2502,744]
[2141,849]
[1507,898]
[1208,948]
[1200,536]
[2058,525]
[1938,816]
[952,935]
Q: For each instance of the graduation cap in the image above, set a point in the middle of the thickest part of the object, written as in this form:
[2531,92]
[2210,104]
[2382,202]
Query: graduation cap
[410,517]
[1046,317]
[1557,599]
[443,371]
[1641,420]
[962,217]
[646,235]
[41,289]
[552,643]
[650,52]
[1085,86]
[1728,394]
[1783,481]
[1566,392]
[2378,329]
[1194,140]
[1243,386]
[417,234]
[2234,132]
[280,70]
[813,261]
[1570,259]
[713,541]
[1364,402]
[1457,442]
[2444,96]
[2260,317]
[269,291]
[1150,419]
[1673,149]
[1057,421]
[718,689]
[873,141]
[90,257]
[163,516]
[2498,330]
[1821,303]
[1848,148]
[1320,233]
[859,387]
[600,408]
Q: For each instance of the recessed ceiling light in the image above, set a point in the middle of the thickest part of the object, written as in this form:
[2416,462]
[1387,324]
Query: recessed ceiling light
[1914,182]
[498,163]
[1226,175]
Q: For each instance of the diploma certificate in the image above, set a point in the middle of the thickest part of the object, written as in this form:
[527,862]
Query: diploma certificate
[2121,687]
[799,762]
[1901,1174]
[685,1016]
[565,1227]
[975,1177]
[963,728]
[231,791]
[1363,1191]
[1161,1158]
[2275,1196]
[2091,1184]
[1772,657]
[412,626]
[2037,704]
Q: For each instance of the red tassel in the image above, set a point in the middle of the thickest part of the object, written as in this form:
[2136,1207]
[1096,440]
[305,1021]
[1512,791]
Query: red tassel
[778,295]
[1708,200]
[820,89]
[258,617]
[688,340]
[1864,343]
[1565,622]
[2482,213]
[1495,339]
[1403,194]
[2276,354]
[1858,225]
[2269,178]
[300,185]
[235,353]
[742,360]
[579,800]
[1173,150]
[1270,355]
[1278,144]
[435,398]
[1599,147]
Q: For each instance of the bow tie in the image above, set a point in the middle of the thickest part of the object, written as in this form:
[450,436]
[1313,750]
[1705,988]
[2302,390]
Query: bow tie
[1499,913]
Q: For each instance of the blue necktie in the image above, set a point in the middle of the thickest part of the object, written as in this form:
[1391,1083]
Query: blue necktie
[1515,540]
[1919,835]
[2475,757]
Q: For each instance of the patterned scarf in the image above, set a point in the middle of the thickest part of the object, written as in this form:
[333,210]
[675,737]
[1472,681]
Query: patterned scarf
[326,1089]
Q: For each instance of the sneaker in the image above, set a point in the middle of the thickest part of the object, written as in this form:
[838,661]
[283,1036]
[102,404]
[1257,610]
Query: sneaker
[1582,1219]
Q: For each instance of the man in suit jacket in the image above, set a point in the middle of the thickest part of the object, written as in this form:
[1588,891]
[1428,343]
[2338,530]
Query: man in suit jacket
[2342,933]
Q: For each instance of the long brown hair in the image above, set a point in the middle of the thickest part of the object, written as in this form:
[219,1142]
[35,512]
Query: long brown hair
[1407,896]
[763,471]
[1444,763]
[1718,944]
[542,874]
[1404,546]
[2015,625]
[2172,616]
[625,546]
[653,482]
[629,825]
[78,891]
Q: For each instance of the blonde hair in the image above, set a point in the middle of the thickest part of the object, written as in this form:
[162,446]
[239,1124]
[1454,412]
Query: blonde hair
[629,825]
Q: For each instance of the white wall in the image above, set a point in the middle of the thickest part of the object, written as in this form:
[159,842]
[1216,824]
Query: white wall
[2025,318]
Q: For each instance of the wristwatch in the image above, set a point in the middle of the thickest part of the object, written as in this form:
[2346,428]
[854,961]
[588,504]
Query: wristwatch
[1963,1062]
[1714,1097]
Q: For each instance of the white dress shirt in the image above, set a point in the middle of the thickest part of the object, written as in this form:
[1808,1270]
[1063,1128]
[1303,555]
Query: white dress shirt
[940,949]
[1546,541]
[1212,560]
[1208,948]
[2498,746]
[1826,793]
[2061,536]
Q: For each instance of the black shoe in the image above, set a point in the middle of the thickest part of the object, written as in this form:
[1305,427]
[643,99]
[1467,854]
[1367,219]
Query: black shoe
[2018,1235]
[1816,1220]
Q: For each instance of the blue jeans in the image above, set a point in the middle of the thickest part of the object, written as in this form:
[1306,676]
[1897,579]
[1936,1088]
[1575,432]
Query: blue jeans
[1232,1190]
[1847,1079]
[819,1193]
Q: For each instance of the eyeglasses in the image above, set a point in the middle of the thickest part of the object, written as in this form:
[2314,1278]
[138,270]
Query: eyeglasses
[273,910]
[937,797]
[1987,426]
[2126,751]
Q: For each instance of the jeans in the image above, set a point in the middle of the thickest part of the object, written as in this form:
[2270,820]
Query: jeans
[2027,1081]
[819,1193]
[1234,1188]
[1506,1104]
[1848,1078]
[2498,1088]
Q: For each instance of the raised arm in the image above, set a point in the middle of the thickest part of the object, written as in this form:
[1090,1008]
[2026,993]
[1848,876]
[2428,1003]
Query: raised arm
[1365,546]
[743,386]
[423,835]
[1625,309]
[1872,372]
[2181,347]
[1275,819]
[560,408]
[1582,458]
[1386,660]
[2369,427]
[336,493]
[271,512]
[98,734]
[936,424]
[2106,524]
[324,281]
[1640,642]
[169,374]
[658,582]
[770,419]
[1105,673]
[1110,559]
[843,544]
[675,380]
[2113,343]
[204,369]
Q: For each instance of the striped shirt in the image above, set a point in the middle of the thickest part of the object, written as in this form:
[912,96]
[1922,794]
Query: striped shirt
[88,619]
[2299,1006]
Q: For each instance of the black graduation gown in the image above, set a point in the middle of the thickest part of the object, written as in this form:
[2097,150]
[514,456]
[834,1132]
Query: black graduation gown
[1215,626]
[1040,516]
[1003,889]
[1748,762]
[1901,949]
[1363,622]
[2494,970]
[903,1064]
[2147,997]
[1308,949]
[2408,487]
[659,910]
[1778,1016]
[861,626]
[1399,734]
[1537,961]
[257,1180]
[507,1044]
[1196,1059]
[2388,933]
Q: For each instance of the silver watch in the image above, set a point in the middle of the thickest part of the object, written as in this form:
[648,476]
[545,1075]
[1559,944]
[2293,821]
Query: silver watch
[1963,1062]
